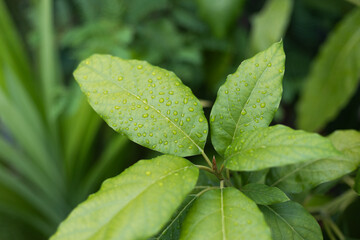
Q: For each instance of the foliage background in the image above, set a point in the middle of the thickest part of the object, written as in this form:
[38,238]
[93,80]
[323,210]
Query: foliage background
[55,151]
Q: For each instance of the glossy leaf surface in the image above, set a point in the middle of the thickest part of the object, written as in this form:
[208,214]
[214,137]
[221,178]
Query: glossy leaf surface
[224,214]
[263,194]
[249,98]
[276,146]
[300,177]
[134,205]
[334,76]
[148,104]
[290,221]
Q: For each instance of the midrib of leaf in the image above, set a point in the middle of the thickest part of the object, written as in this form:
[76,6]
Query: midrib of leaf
[149,105]
[243,107]
[138,195]
[222,214]
[284,220]
[182,210]
[303,166]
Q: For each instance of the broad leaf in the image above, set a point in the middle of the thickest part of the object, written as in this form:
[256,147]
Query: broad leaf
[290,221]
[270,24]
[249,98]
[224,214]
[334,76]
[300,177]
[263,194]
[276,146]
[220,15]
[148,104]
[134,205]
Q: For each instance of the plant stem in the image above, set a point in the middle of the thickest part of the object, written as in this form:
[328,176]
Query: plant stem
[207,159]
[328,231]
[205,168]
[335,229]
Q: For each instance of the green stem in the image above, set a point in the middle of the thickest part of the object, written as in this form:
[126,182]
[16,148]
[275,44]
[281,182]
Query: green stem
[328,231]
[336,229]
[205,169]
[207,159]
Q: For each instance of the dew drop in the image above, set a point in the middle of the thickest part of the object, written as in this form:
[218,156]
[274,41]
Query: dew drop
[174,132]
[171,92]
[269,64]
[145,115]
[139,67]
[186,100]
[168,103]
[191,109]
[201,119]
[226,91]
[161,100]
[262,105]
[148,173]
[106,92]
[257,65]
[188,119]
[175,113]
[120,78]
[243,112]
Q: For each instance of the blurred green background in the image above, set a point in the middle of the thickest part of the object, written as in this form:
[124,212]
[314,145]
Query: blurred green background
[55,151]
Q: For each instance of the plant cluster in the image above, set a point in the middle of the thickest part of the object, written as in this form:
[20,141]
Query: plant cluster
[160,198]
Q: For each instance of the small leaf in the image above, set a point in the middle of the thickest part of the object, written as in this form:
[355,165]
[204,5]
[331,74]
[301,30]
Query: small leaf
[249,98]
[290,221]
[148,104]
[276,146]
[224,214]
[334,76]
[270,24]
[220,15]
[300,177]
[263,194]
[134,205]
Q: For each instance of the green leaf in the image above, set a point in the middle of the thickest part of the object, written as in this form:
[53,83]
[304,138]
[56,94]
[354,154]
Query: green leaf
[276,146]
[263,194]
[300,177]
[148,104]
[220,15]
[270,24]
[249,98]
[134,205]
[334,76]
[224,214]
[290,221]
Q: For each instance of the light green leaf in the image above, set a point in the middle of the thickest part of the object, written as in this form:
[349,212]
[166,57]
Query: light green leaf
[263,194]
[300,177]
[249,98]
[148,104]
[224,214]
[220,15]
[334,76]
[276,146]
[270,24]
[134,205]
[290,221]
